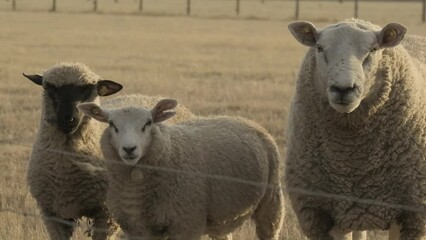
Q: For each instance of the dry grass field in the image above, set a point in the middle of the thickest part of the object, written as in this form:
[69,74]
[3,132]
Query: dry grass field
[212,62]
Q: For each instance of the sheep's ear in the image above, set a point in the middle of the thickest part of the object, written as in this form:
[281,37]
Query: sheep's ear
[37,79]
[304,32]
[159,113]
[391,35]
[108,87]
[94,111]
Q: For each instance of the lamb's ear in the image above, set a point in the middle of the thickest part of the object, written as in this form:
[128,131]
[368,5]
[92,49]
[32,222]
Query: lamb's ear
[108,87]
[391,35]
[304,32]
[37,79]
[159,113]
[94,111]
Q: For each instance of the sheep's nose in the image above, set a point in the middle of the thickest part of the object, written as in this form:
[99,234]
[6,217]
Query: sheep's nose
[342,90]
[129,150]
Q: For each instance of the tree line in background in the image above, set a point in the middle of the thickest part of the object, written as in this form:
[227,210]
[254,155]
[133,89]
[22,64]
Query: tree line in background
[237,8]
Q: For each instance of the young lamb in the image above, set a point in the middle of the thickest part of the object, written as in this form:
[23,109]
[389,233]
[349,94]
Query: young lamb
[162,177]
[65,140]
[356,156]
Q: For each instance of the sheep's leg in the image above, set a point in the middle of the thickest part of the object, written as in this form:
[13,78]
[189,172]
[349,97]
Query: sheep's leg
[315,223]
[102,225]
[269,215]
[359,235]
[413,226]
[227,237]
[394,232]
[338,234]
[181,231]
[58,228]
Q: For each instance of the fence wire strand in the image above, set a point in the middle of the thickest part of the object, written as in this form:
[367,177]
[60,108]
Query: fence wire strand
[211,176]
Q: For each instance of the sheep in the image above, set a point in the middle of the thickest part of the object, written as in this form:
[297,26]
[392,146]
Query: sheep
[75,186]
[356,144]
[66,140]
[162,176]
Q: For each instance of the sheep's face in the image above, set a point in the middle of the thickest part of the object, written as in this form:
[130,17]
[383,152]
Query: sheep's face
[62,100]
[131,129]
[347,59]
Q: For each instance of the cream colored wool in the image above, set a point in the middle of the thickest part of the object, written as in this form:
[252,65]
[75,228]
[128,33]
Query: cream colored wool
[61,188]
[377,152]
[182,189]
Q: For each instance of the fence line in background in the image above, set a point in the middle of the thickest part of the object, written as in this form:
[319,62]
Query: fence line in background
[188,7]
[238,7]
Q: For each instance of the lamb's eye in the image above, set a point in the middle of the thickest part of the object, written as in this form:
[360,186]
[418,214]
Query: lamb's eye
[320,49]
[373,50]
[111,124]
[146,124]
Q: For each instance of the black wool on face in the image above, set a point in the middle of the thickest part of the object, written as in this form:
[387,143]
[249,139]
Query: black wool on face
[65,99]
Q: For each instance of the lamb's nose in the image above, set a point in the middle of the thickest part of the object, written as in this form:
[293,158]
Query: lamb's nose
[342,90]
[129,150]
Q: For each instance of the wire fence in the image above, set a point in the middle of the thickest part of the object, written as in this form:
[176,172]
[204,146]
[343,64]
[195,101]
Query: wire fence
[186,6]
[308,192]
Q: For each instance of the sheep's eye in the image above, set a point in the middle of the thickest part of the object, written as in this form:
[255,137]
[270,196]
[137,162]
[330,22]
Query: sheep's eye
[373,50]
[146,124]
[53,95]
[52,92]
[86,92]
[320,49]
[111,124]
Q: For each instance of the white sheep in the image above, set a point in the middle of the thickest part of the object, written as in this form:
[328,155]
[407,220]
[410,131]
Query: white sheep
[201,176]
[356,136]
[65,140]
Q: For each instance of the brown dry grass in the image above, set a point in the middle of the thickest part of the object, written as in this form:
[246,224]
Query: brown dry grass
[213,65]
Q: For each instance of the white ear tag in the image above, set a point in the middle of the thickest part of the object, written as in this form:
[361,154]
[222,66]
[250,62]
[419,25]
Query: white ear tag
[136,174]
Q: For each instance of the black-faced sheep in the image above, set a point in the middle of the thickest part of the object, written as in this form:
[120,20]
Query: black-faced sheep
[66,140]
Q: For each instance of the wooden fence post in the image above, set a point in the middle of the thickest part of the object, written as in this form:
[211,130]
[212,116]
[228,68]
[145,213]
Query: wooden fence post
[237,9]
[424,11]
[188,7]
[297,9]
[14,5]
[95,5]
[140,5]
[53,9]
[356,8]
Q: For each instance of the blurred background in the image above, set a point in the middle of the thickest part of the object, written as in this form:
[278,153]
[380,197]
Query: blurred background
[228,57]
